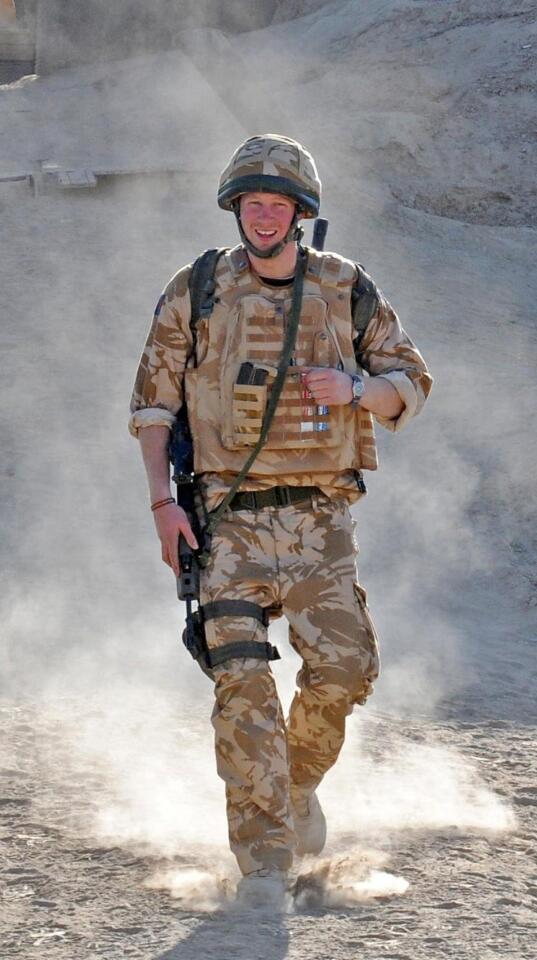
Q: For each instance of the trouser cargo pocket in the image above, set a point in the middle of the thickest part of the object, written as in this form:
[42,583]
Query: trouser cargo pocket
[368,638]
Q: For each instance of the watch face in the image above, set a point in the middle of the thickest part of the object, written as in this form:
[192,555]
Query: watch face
[357,387]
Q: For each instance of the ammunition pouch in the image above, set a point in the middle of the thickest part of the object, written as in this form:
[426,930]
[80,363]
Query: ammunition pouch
[249,360]
[195,641]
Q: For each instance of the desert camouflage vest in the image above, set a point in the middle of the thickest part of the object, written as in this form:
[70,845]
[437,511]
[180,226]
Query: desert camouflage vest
[238,348]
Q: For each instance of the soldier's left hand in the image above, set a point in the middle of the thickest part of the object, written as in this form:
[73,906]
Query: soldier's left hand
[327,386]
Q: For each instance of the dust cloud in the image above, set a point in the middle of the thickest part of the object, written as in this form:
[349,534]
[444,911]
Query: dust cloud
[90,622]
[344,882]
[199,890]
[149,786]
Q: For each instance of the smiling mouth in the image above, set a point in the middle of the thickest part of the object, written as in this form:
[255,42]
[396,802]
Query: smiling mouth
[266,234]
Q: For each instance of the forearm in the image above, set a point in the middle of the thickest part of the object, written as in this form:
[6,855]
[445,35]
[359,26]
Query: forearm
[381,397]
[332,387]
[154,444]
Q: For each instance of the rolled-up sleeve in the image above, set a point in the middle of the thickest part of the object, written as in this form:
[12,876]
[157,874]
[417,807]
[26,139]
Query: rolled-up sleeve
[158,388]
[387,351]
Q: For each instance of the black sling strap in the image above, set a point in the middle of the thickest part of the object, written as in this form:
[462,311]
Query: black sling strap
[202,286]
[277,386]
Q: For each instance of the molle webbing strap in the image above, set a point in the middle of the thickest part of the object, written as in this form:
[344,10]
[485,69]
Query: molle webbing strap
[283,367]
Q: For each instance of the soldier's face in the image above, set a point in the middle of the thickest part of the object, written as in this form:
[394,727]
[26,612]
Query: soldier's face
[266,217]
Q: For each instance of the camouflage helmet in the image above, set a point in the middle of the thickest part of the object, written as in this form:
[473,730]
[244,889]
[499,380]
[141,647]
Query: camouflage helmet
[270,163]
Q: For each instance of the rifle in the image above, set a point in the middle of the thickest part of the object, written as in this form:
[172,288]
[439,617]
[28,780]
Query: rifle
[181,454]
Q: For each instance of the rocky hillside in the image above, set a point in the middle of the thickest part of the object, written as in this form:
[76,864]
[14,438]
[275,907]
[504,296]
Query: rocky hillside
[438,99]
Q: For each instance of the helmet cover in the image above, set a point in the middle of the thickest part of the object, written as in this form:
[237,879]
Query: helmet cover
[270,163]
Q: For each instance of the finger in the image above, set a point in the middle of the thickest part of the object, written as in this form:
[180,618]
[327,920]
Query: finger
[172,555]
[320,386]
[164,554]
[186,530]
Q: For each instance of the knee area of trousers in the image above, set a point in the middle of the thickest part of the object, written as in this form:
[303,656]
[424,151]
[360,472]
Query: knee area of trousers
[239,676]
[341,686]
[358,686]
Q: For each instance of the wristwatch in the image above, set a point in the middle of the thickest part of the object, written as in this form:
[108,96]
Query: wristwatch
[358,388]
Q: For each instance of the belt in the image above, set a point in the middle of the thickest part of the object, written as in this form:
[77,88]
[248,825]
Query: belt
[273,497]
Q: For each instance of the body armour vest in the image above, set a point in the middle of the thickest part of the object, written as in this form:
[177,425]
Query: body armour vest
[238,349]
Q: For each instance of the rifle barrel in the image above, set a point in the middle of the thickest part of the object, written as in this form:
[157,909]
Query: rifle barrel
[320,228]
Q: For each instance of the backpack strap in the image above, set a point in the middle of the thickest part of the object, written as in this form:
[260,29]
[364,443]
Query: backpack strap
[201,285]
[365,300]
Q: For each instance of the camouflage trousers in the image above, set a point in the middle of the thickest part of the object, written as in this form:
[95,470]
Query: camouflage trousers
[300,560]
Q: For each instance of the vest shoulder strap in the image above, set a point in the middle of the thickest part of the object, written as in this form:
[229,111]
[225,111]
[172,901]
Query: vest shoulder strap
[238,261]
[330,269]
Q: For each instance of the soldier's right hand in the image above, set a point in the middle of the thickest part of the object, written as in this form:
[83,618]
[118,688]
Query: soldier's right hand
[171,521]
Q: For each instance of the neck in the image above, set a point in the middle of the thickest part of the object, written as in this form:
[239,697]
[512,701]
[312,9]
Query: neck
[278,267]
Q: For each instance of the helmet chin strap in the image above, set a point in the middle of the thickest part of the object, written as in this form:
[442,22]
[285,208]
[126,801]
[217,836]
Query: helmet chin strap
[295,233]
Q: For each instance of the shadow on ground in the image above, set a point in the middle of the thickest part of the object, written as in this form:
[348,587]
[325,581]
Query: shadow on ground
[244,935]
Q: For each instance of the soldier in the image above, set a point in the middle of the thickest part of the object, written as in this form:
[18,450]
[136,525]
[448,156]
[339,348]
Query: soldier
[284,544]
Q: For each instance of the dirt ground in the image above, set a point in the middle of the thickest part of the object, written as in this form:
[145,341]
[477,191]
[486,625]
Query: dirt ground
[460,890]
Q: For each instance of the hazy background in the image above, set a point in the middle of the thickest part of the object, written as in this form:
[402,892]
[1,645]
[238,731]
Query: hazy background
[376,93]
[421,116]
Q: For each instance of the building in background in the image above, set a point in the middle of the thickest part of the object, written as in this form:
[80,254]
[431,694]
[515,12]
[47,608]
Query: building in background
[7,11]
[17,39]
[42,36]
[72,32]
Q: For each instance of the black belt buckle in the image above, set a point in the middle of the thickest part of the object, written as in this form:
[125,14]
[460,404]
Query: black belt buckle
[282,496]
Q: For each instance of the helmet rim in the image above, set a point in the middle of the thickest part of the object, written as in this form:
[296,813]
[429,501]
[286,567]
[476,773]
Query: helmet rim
[261,183]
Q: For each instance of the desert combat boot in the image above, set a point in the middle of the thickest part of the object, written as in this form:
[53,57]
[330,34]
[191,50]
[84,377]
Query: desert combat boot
[310,825]
[264,890]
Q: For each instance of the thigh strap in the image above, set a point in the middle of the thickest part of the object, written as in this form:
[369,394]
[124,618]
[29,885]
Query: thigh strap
[242,648]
